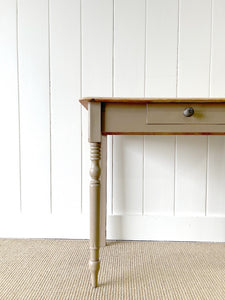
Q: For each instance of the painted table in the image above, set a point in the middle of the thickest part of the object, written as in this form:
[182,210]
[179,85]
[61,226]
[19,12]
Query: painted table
[145,116]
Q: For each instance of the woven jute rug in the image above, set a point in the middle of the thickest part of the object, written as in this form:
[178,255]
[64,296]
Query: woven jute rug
[58,269]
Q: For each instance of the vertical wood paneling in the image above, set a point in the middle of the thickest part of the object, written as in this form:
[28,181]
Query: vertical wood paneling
[216,174]
[109,175]
[159,175]
[129,48]
[161,71]
[161,45]
[9,123]
[193,80]
[191,175]
[216,162]
[218,49]
[125,50]
[34,105]
[194,48]
[97,31]
[129,64]
[127,175]
[65,108]
[97,39]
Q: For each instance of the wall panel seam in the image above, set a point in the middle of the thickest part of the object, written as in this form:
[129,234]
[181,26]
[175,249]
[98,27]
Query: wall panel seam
[113,93]
[209,94]
[177,80]
[143,151]
[81,110]
[113,46]
[18,91]
[50,105]
[210,51]
[178,44]
[145,49]
[143,176]
[206,175]
[112,177]
[175,174]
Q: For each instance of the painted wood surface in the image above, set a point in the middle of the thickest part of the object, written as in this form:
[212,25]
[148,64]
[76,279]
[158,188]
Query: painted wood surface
[166,228]
[129,48]
[97,68]
[127,174]
[193,79]
[54,52]
[129,66]
[64,53]
[33,54]
[161,48]
[194,48]
[215,204]
[97,47]
[159,171]
[190,192]
[161,79]
[9,113]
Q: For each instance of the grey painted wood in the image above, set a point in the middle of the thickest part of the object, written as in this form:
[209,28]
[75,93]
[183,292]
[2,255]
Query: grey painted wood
[133,118]
[125,118]
[95,171]
[94,136]
[94,122]
[103,192]
[174,113]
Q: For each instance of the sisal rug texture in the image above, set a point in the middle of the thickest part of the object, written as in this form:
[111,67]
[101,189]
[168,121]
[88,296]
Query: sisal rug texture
[58,269]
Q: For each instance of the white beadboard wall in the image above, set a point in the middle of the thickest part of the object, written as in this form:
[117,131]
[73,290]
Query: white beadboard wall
[52,52]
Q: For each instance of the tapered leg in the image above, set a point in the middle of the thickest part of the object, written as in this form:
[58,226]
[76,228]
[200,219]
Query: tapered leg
[95,171]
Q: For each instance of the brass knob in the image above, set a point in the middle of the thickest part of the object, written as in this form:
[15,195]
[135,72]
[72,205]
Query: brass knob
[189,111]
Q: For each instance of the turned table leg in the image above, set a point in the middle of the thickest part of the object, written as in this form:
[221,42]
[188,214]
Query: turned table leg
[94,138]
[103,192]
[95,171]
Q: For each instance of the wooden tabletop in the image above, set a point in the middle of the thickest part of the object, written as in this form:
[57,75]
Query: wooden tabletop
[84,101]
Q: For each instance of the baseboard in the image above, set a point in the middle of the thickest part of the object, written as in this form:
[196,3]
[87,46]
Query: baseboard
[210,229]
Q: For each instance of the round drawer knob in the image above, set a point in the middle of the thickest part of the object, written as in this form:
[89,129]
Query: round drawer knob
[188,112]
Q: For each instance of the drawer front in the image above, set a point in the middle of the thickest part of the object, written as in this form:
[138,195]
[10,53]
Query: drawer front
[173,113]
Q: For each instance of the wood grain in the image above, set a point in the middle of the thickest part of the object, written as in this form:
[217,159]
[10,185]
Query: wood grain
[84,101]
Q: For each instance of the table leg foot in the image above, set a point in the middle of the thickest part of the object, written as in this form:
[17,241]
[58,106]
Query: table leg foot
[94,267]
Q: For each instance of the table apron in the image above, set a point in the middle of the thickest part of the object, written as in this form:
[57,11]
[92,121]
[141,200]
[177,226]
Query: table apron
[122,118]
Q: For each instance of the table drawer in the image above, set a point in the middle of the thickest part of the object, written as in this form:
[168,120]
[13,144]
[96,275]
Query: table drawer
[174,113]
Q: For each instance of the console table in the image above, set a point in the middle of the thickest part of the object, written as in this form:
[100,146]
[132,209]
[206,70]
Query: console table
[112,116]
